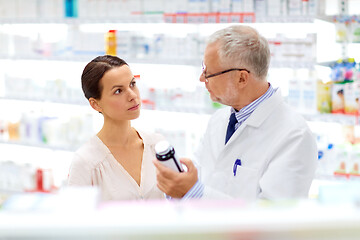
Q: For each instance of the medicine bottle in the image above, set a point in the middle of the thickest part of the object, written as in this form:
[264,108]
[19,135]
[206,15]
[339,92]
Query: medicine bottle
[110,43]
[165,153]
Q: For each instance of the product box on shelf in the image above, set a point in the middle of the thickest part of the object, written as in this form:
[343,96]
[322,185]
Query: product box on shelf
[355,29]
[338,98]
[352,97]
[347,28]
[345,87]
[323,92]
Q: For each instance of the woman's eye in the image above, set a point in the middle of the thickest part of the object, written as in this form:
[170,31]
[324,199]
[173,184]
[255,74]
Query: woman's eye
[133,84]
[117,91]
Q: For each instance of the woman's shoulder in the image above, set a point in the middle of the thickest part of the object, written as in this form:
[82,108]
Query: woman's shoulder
[150,137]
[91,152]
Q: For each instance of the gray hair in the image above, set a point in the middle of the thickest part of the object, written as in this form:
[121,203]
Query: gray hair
[243,45]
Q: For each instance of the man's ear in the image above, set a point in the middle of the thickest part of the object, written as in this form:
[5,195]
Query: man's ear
[243,78]
[95,105]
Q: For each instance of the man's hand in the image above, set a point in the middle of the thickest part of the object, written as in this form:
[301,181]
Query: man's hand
[173,183]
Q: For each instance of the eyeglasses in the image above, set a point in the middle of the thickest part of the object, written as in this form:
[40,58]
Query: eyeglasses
[222,72]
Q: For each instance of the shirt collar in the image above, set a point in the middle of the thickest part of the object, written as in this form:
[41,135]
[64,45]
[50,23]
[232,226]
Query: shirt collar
[245,112]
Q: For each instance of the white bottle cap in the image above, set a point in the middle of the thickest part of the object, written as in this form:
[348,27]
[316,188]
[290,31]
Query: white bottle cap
[162,147]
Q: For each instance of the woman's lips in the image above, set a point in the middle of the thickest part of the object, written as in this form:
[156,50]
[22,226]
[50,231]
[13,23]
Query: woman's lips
[134,107]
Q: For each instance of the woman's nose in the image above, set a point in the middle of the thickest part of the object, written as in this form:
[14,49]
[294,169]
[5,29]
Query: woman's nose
[132,95]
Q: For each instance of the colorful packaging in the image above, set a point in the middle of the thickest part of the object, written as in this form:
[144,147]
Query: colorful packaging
[355,160]
[355,30]
[352,97]
[338,97]
[71,8]
[349,69]
[111,43]
[323,92]
[337,74]
[342,29]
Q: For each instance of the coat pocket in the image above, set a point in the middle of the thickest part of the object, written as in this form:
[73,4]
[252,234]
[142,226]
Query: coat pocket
[245,184]
[242,186]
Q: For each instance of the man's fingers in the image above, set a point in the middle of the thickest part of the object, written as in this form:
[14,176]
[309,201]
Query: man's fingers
[161,187]
[173,183]
[164,171]
[188,163]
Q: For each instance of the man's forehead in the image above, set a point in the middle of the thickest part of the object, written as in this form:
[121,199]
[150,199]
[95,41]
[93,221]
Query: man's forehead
[210,54]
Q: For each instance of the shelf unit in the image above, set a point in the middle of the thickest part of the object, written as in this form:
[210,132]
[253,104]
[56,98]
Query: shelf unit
[163,61]
[147,20]
[38,145]
[160,18]
[142,18]
[84,59]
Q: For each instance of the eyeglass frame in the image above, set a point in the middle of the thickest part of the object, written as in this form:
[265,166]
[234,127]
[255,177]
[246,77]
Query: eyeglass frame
[222,72]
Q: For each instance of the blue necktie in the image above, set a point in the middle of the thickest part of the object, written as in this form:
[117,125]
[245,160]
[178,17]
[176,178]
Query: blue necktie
[231,127]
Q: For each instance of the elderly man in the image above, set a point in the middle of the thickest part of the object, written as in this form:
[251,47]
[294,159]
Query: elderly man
[257,147]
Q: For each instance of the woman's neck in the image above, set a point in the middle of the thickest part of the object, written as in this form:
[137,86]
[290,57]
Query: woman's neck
[117,134]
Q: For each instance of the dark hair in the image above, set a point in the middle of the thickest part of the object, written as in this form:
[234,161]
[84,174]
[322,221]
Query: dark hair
[94,71]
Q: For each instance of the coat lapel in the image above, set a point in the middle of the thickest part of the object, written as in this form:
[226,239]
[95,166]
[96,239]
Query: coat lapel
[232,149]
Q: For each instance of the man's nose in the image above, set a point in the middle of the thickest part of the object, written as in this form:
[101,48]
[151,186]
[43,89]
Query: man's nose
[202,77]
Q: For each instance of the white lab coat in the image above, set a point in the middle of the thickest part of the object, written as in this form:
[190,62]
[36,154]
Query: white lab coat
[277,150]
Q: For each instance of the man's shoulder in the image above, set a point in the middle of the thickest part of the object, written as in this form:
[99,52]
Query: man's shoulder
[222,113]
[288,120]
[282,111]
[291,114]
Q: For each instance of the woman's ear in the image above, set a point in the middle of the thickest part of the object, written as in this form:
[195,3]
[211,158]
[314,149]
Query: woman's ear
[95,105]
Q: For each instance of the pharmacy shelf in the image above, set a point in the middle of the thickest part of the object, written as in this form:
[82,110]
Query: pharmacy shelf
[326,18]
[332,18]
[138,18]
[171,109]
[329,117]
[153,60]
[165,115]
[332,63]
[80,58]
[323,117]
[162,18]
[290,64]
[87,58]
[71,148]
[9,192]
[285,19]
[338,177]
[47,101]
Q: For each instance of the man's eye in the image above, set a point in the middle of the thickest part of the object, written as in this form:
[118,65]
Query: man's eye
[117,91]
[133,84]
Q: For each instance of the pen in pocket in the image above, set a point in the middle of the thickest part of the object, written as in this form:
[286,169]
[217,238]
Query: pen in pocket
[237,163]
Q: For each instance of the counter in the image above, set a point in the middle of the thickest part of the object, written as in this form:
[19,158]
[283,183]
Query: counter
[196,219]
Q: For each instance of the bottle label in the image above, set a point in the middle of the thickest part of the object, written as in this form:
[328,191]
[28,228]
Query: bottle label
[173,164]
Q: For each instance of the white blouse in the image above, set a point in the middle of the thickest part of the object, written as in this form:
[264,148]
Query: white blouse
[93,164]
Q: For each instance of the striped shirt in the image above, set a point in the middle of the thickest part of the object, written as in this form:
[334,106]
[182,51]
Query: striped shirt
[197,190]
[246,111]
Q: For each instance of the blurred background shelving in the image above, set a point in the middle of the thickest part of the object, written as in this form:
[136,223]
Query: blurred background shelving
[44,46]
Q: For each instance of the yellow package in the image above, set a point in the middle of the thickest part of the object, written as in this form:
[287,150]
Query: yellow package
[323,96]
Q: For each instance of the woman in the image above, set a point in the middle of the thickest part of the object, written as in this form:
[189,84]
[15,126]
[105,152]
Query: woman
[119,158]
